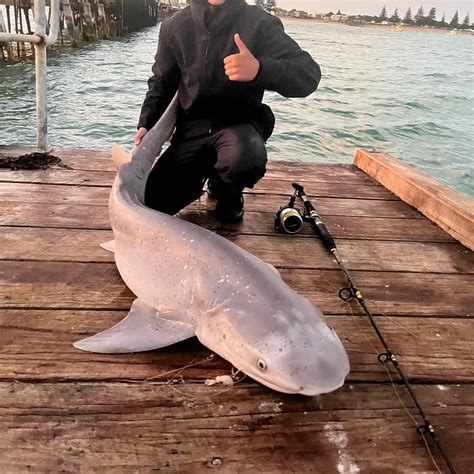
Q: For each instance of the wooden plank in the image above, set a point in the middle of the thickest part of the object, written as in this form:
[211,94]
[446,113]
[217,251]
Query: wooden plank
[341,227]
[123,428]
[39,192]
[54,215]
[266,185]
[282,251]
[46,194]
[93,160]
[450,210]
[287,252]
[37,195]
[259,223]
[317,189]
[99,286]
[58,176]
[37,345]
[70,156]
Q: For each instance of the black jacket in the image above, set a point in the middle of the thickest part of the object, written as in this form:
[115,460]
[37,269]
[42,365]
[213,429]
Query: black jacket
[191,50]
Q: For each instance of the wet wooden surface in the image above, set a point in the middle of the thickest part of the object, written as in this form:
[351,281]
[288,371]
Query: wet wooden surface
[66,410]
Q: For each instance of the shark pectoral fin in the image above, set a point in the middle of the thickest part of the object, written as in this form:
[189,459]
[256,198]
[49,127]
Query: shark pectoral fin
[109,246]
[141,330]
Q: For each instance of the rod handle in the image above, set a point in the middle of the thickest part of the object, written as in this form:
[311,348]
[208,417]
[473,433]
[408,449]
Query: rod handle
[323,232]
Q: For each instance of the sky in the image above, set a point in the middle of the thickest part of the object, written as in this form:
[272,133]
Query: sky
[374,7]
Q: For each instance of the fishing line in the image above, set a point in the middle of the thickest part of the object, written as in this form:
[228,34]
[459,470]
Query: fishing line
[350,293]
[376,352]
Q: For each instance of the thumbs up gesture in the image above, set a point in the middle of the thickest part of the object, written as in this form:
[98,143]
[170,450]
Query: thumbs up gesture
[241,67]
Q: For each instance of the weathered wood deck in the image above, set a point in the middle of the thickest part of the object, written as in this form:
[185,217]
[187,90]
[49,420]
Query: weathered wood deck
[63,410]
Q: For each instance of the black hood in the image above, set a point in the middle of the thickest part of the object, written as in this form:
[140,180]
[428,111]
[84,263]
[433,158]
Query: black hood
[215,19]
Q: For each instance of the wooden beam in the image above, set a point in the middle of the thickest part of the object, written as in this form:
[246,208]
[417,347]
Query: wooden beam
[450,210]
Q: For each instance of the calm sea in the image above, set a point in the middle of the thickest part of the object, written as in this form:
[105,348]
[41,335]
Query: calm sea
[410,94]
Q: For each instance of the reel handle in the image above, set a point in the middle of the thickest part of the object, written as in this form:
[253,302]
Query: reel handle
[313,216]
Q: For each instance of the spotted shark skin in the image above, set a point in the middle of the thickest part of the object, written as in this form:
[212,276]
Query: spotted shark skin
[192,282]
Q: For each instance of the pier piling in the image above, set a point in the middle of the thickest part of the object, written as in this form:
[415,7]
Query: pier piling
[80,21]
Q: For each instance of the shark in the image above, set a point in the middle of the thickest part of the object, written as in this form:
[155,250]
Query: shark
[189,281]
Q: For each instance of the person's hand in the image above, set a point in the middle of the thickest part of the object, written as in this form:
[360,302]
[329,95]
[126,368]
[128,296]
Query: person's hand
[139,135]
[241,67]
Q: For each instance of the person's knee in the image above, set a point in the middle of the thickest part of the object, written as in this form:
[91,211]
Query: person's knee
[245,159]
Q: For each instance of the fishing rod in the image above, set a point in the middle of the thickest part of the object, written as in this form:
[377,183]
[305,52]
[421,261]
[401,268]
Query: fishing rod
[290,219]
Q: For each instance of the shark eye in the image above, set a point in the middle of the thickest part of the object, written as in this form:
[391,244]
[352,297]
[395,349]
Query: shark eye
[262,365]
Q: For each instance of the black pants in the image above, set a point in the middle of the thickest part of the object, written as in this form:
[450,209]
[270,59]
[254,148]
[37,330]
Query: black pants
[234,156]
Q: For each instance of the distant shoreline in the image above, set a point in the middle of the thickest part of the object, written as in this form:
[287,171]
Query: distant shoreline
[406,28]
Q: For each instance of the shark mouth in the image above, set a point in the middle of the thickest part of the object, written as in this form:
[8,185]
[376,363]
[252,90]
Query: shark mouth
[310,391]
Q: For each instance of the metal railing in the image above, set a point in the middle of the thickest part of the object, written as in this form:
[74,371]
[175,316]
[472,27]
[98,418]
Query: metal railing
[41,41]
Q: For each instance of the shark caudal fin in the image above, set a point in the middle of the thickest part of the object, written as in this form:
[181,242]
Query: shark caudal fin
[120,156]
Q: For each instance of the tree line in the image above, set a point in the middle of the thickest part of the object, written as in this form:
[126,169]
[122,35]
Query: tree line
[421,19]
[268,5]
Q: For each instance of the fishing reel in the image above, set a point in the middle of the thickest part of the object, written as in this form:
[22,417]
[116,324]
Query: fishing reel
[288,218]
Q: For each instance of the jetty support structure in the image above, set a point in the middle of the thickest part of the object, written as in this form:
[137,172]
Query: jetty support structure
[41,39]
[79,21]
[75,411]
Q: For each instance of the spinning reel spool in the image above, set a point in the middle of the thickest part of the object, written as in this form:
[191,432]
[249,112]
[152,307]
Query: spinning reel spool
[288,218]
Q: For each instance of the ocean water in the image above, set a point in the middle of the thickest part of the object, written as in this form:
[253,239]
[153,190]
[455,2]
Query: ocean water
[410,94]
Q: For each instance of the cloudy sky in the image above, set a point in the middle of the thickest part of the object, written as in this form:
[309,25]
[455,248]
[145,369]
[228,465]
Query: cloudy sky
[374,7]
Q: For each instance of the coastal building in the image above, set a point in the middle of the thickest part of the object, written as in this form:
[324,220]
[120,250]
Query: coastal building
[298,14]
[280,12]
[339,17]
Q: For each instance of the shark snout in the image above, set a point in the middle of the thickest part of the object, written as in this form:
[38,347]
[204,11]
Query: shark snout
[327,376]
[329,371]
[324,369]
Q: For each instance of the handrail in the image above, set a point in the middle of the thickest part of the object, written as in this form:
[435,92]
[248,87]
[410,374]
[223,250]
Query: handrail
[19,38]
[41,41]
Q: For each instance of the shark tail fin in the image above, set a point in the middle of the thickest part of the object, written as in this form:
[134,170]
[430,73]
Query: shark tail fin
[120,155]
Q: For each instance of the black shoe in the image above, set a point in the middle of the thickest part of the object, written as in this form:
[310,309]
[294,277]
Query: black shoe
[230,209]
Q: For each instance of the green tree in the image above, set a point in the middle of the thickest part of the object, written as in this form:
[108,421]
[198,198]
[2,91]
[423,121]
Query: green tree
[268,5]
[443,21]
[339,12]
[455,21]
[466,22]
[420,16]
[408,18]
[395,18]
[383,14]
[430,19]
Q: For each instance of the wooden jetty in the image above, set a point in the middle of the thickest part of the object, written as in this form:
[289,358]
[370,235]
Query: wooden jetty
[63,410]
